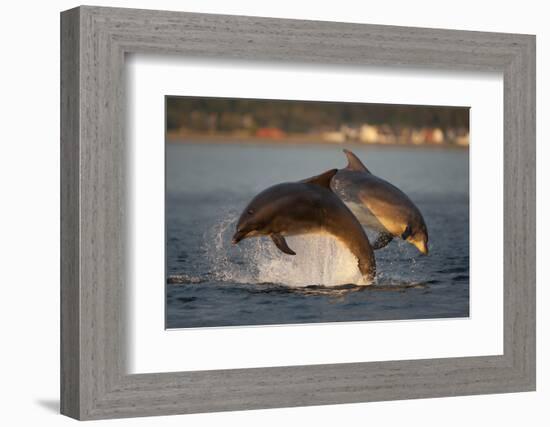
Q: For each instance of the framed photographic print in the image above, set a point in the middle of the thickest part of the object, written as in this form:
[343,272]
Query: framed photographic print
[262,213]
[314,264]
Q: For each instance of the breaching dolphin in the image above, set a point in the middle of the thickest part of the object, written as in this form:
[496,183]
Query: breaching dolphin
[306,207]
[380,205]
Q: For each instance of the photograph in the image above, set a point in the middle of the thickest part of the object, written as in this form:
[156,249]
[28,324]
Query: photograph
[285,212]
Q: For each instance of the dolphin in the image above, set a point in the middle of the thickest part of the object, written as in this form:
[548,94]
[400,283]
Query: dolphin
[380,205]
[306,207]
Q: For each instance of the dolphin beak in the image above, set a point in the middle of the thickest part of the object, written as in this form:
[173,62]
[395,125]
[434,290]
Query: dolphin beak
[423,248]
[237,237]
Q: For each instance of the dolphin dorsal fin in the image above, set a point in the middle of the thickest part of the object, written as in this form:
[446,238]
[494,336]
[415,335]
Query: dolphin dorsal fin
[322,180]
[354,163]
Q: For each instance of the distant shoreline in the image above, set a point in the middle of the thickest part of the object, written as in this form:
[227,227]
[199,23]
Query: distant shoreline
[178,138]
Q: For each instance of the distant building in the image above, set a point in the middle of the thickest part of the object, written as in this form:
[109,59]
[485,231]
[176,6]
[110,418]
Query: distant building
[334,136]
[368,134]
[436,136]
[351,133]
[417,136]
[274,133]
[463,140]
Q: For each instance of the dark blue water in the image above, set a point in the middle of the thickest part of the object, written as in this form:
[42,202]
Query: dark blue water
[213,283]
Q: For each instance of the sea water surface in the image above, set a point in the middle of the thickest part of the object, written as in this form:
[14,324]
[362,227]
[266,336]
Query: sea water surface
[210,282]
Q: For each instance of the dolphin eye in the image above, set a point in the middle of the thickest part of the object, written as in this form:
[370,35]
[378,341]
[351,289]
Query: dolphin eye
[250,211]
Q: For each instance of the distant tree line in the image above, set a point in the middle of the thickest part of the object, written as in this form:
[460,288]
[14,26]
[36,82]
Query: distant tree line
[229,114]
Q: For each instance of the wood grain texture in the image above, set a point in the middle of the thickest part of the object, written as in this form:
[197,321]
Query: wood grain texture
[94,235]
[70,221]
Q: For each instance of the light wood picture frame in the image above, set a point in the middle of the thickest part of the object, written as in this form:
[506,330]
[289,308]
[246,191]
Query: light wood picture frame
[94,42]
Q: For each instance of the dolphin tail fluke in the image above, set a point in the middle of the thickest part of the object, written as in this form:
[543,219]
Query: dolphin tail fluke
[280,242]
[354,163]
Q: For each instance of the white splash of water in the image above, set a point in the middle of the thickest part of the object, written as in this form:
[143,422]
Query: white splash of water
[319,259]
[222,255]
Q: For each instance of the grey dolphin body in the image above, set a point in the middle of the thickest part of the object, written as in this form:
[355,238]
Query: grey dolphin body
[306,207]
[380,205]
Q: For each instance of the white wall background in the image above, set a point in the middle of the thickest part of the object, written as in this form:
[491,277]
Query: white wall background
[29,214]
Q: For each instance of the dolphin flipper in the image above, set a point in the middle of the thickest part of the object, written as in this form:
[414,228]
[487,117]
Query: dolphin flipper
[406,233]
[382,241]
[280,242]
